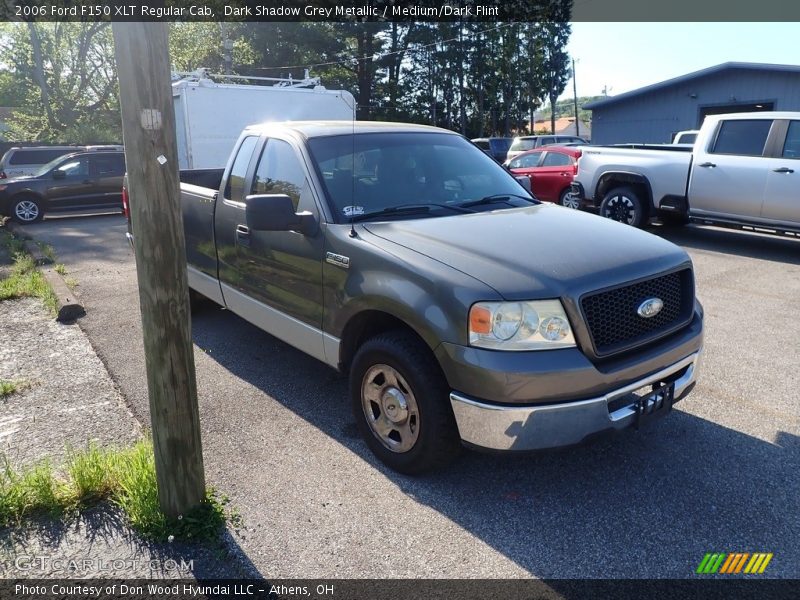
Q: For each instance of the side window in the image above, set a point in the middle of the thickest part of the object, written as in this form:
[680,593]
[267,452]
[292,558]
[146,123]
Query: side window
[234,189]
[78,167]
[279,172]
[791,148]
[482,145]
[546,140]
[529,160]
[742,137]
[554,159]
[107,166]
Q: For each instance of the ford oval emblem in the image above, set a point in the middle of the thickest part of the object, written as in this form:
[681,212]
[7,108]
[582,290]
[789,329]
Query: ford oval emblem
[650,307]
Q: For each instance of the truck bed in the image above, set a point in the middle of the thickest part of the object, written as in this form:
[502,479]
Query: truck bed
[206,178]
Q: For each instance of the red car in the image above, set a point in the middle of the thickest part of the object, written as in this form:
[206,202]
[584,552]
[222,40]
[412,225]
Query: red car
[551,169]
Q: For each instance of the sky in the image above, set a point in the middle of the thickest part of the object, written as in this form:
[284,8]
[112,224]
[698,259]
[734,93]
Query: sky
[626,56]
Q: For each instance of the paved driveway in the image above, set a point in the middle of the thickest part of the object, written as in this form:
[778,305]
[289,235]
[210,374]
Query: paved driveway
[720,474]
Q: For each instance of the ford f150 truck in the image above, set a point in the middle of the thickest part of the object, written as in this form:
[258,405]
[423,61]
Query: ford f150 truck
[742,171]
[463,310]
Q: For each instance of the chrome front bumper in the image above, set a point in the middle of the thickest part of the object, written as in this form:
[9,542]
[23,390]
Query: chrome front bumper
[555,425]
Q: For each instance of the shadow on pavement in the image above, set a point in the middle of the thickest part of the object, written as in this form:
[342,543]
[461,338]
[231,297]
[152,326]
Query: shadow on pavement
[99,543]
[732,241]
[646,504]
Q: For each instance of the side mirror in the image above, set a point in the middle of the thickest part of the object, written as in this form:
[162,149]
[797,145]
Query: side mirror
[59,174]
[524,181]
[275,212]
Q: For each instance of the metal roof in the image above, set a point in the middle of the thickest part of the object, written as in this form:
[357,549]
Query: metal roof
[728,66]
[311,129]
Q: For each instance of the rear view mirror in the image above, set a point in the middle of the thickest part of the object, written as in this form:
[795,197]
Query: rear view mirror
[59,174]
[524,181]
[275,212]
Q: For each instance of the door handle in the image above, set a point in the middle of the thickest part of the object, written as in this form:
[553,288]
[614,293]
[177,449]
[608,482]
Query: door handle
[243,235]
[707,165]
[783,170]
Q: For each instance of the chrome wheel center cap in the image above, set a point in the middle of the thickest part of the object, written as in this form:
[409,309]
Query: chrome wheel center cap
[395,405]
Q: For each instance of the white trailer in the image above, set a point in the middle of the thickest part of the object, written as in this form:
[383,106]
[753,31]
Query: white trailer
[209,116]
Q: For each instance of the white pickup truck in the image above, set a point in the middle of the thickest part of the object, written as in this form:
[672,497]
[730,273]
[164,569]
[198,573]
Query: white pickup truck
[744,170]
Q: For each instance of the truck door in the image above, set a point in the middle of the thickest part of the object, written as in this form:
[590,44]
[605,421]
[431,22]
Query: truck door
[730,175]
[106,171]
[782,196]
[279,269]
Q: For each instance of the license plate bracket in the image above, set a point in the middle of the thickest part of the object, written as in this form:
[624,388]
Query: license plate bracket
[655,405]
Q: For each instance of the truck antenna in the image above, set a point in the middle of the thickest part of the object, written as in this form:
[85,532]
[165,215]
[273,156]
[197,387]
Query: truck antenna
[353,233]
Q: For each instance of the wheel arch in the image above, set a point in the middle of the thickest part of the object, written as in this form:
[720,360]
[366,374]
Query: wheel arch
[366,324]
[637,181]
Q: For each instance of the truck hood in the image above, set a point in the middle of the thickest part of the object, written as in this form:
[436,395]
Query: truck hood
[541,251]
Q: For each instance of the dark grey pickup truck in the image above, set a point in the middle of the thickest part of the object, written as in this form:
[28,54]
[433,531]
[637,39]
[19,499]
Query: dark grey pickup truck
[464,311]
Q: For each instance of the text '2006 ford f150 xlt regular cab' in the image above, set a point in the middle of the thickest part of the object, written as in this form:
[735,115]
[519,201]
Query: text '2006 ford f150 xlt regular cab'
[463,310]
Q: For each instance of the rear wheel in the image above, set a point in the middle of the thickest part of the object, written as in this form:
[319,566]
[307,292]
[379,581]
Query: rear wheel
[26,209]
[623,204]
[569,200]
[400,403]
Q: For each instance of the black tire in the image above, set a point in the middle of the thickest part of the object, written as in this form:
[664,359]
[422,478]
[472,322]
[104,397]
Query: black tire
[623,204]
[429,429]
[26,209]
[569,200]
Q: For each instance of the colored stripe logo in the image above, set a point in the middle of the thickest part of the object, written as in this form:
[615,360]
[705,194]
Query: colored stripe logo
[734,562]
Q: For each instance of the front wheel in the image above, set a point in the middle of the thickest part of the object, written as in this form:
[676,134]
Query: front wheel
[26,209]
[400,403]
[624,205]
[569,200]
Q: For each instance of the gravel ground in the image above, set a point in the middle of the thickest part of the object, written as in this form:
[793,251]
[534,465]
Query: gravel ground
[68,400]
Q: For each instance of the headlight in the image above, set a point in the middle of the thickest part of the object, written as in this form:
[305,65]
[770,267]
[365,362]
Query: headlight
[534,325]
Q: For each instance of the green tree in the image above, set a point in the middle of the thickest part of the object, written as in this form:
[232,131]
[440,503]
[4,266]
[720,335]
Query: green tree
[69,80]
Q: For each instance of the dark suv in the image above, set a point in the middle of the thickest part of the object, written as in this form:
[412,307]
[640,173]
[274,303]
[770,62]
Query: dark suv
[79,181]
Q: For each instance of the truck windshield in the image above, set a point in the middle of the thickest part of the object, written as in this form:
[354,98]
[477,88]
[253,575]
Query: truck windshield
[367,173]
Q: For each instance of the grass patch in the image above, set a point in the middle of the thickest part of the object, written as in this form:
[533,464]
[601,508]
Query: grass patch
[27,281]
[125,477]
[11,386]
[11,243]
[60,269]
[47,251]
[71,282]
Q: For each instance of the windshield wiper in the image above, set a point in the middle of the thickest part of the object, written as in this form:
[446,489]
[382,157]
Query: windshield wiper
[409,209]
[496,198]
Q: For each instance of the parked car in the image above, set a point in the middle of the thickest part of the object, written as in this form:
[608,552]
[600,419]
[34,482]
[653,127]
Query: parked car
[529,142]
[462,309]
[78,181]
[550,170]
[26,161]
[496,147]
[742,171]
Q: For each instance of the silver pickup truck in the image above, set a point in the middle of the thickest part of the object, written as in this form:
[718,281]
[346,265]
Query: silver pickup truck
[463,310]
[744,170]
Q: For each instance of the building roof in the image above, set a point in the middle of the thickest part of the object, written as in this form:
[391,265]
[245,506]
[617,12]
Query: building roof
[564,126]
[728,66]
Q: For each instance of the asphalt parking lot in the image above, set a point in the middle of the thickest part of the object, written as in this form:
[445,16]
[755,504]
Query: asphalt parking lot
[718,475]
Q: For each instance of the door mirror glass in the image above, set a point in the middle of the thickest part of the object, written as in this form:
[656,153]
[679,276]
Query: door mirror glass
[524,181]
[276,212]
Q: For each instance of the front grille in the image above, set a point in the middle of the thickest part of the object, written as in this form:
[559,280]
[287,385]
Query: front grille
[612,317]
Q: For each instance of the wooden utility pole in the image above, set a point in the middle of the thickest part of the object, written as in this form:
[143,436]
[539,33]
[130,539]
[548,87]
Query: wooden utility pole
[148,127]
